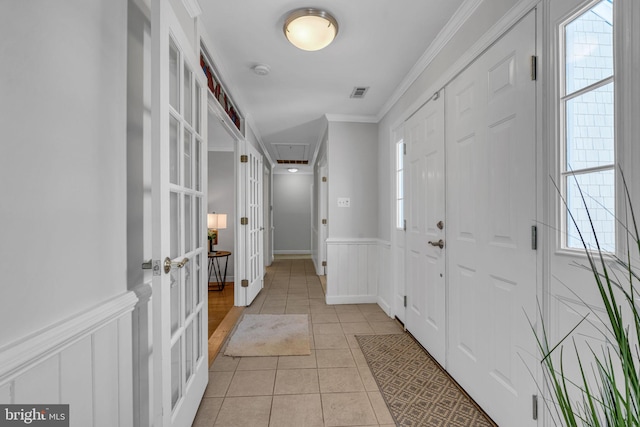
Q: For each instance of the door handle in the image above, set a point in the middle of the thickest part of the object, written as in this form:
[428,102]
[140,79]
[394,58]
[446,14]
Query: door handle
[439,243]
[168,264]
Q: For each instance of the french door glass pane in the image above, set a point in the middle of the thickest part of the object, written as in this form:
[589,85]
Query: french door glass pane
[198,334]
[197,277]
[196,164]
[174,76]
[174,129]
[589,47]
[175,299]
[188,360]
[188,102]
[590,132]
[188,289]
[176,373]
[187,158]
[188,224]
[597,209]
[174,219]
[198,222]
[196,110]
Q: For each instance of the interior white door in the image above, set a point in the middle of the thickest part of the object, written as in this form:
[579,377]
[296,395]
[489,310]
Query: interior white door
[425,254]
[491,207]
[178,191]
[254,229]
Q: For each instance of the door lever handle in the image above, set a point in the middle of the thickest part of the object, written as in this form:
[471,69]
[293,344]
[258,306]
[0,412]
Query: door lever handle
[439,243]
[168,264]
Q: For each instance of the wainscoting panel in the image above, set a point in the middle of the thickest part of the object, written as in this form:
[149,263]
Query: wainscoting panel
[85,361]
[385,283]
[353,271]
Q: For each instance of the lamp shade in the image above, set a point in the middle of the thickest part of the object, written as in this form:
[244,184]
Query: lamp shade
[217,221]
[310,29]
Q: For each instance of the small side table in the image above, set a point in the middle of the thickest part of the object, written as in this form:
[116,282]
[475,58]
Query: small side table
[215,267]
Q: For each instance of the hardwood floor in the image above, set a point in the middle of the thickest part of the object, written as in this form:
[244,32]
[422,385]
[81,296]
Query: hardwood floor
[220,302]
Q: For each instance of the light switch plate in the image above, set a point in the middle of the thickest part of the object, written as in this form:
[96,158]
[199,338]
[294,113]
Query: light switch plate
[344,202]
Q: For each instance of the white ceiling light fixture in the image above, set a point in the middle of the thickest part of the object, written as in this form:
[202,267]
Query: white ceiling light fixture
[310,29]
[293,170]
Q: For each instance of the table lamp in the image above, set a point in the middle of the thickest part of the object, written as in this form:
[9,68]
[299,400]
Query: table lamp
[215,222]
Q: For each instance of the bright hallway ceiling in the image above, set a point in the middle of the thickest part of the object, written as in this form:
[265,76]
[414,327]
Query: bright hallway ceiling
[381,44]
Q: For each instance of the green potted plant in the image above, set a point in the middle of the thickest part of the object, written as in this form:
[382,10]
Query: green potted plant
[608,390]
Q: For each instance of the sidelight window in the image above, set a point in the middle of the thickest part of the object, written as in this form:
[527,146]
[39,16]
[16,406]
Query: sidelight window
[400,184]
[587,104]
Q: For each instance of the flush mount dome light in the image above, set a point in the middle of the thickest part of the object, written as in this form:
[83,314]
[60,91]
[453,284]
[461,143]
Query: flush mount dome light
[310,29]
[293,170]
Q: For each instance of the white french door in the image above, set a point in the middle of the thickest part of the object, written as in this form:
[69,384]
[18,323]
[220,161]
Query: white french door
[491,207]
[425,239]
[178,218]
[253,230]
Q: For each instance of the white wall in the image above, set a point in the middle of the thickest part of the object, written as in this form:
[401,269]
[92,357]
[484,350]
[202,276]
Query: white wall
[63,219]
[63,215]
[352,160]
[221,199]
[292,213]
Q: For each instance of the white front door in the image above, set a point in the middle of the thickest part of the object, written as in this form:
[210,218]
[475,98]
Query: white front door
[491,207]
[425,201]
[178,191]
[254,228]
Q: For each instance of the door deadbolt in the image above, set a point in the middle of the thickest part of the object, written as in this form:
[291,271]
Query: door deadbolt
[168,264]
[439,243]
[440,225]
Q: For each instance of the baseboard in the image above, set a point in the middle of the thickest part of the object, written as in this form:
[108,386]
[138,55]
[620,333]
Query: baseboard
[384,305]
[352,299]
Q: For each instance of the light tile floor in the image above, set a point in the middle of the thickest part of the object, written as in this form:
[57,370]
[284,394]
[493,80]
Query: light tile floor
[331,387]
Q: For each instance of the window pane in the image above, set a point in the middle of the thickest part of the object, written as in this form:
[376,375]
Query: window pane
[196,109]
[176,373]
[187,159]
[175,300]
[589,47]
[174,75]
[173,150]
[188,224]
[590,132]
[598,189]
[188,102]
[174,243]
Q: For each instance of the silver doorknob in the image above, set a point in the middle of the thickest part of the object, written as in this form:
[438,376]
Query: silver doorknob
[439,243]
[168,264]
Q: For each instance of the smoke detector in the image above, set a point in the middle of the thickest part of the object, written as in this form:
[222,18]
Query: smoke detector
[261,69]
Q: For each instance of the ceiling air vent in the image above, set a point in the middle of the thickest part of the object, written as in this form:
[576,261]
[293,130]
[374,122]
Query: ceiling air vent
[359,92]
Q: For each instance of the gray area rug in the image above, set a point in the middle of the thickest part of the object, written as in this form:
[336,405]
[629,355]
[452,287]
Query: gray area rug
[416,389]
[270,335]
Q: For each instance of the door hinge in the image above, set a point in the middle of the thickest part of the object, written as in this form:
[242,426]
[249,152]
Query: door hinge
[534,237]
[404,148]
[404,225]
[244,283]
[324,221]
[534,67]
[324,263]
[324,179]
[244,220]
[244,158]
[405,301]
[534,406]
